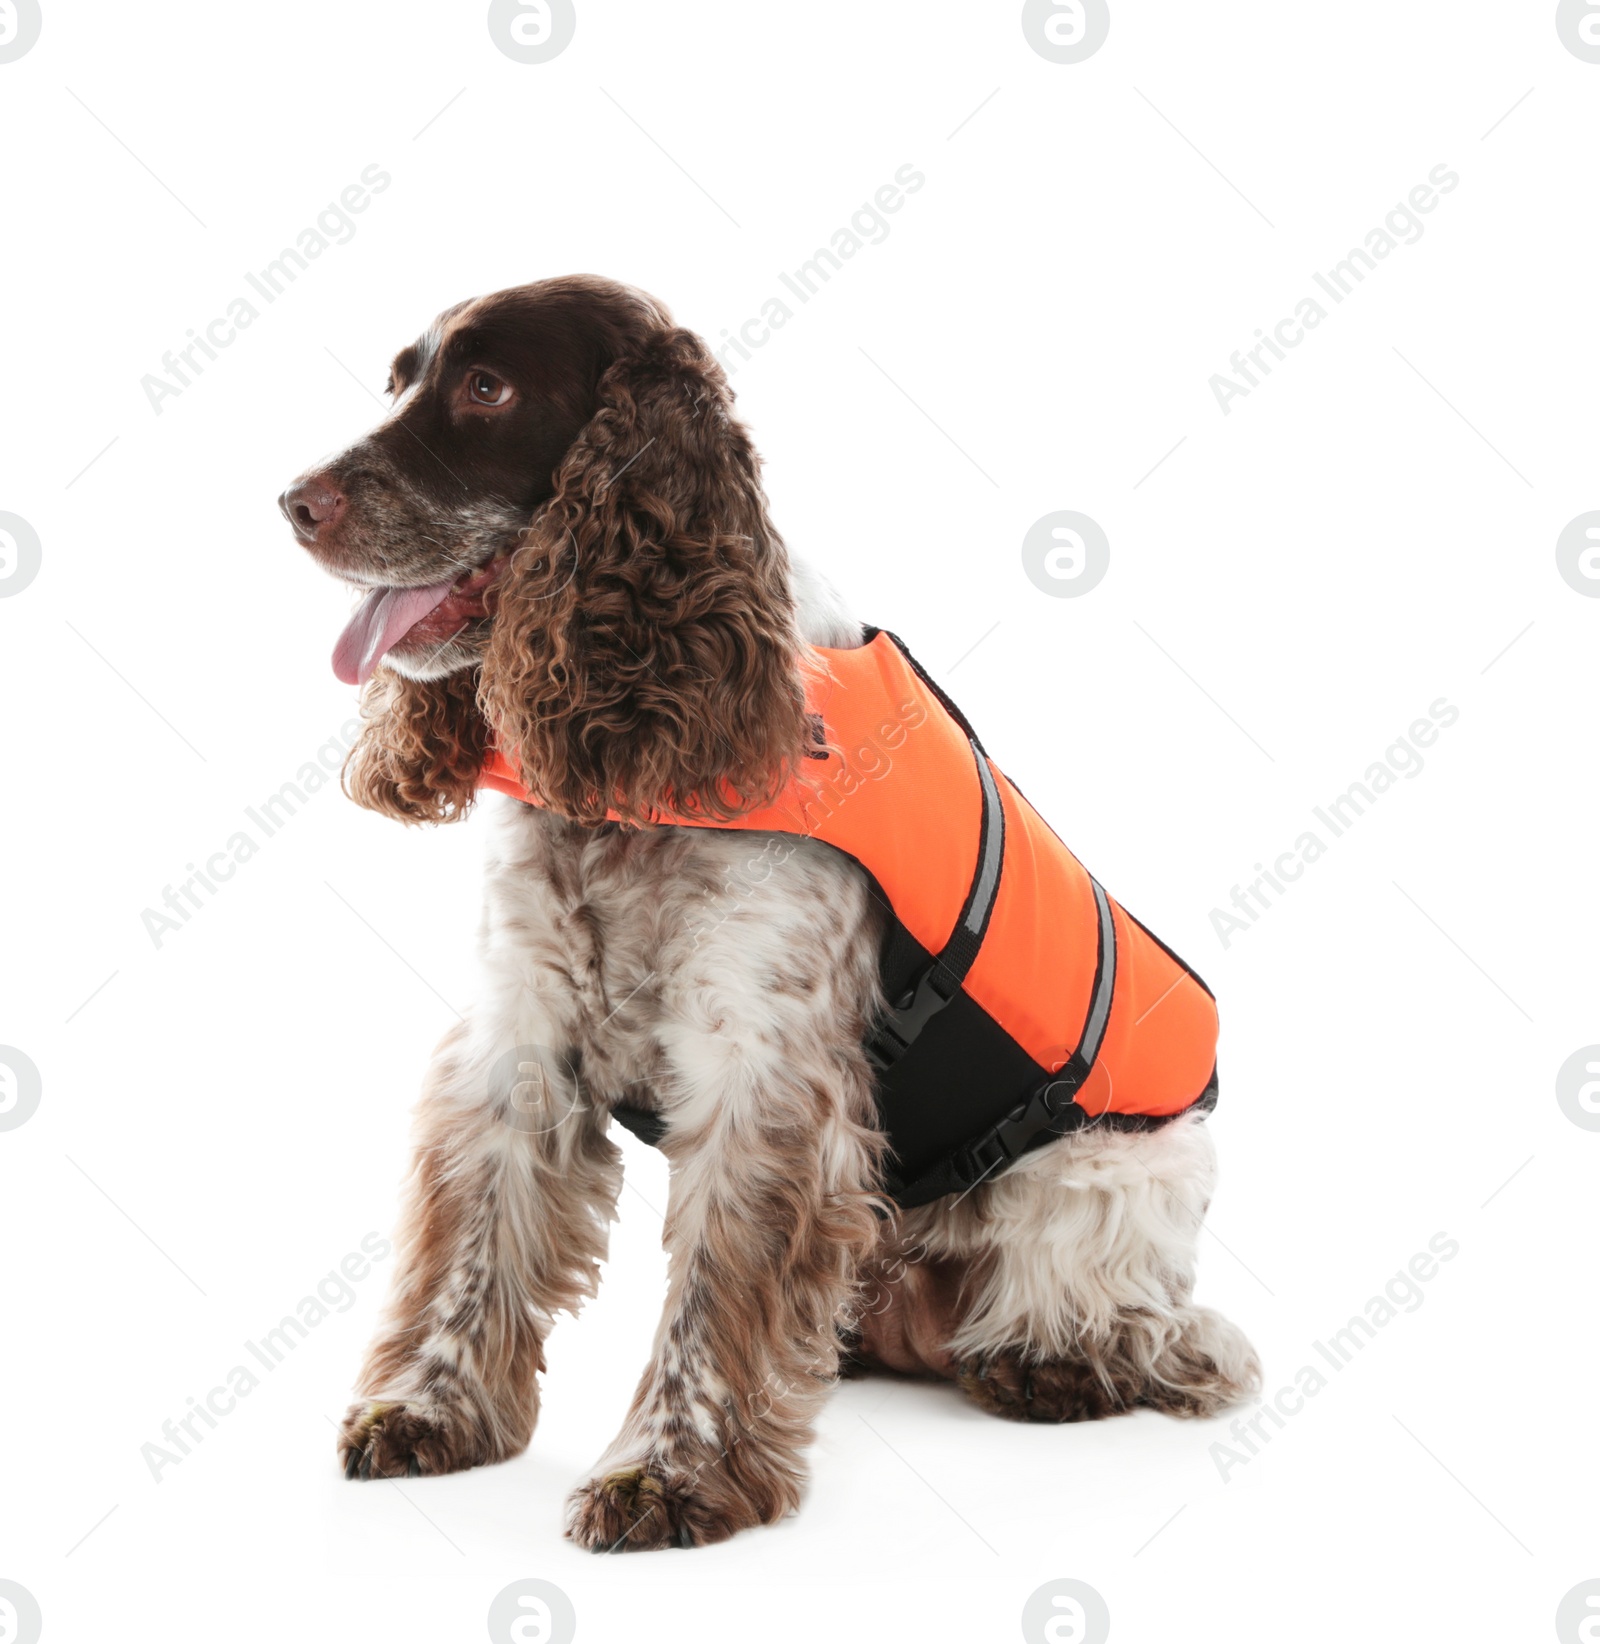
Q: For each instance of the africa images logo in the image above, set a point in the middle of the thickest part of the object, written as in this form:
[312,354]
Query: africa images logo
[1578,25]
[532,31]
[1065,554]
[20,1620]
[1066,31]
[20,551]
[20,22]
[20,1090]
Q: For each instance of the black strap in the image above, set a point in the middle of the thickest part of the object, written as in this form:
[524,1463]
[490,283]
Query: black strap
[896,1030]
[1051,1108]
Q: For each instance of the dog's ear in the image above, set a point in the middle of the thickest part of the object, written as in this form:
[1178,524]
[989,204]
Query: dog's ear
[644,657]
[421,747]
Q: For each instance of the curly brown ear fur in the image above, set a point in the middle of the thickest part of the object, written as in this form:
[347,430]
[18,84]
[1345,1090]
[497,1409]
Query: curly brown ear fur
[420,749]
[644,657]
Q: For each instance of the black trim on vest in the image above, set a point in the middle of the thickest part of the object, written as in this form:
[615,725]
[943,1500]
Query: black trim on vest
[1177,958]
[913,1007]
[933,685]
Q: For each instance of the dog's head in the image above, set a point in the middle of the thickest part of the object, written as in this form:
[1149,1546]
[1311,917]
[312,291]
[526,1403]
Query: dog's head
[563,547]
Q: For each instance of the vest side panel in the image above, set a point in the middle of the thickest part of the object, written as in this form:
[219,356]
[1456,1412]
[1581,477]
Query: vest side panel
[1035,971]
[1161,1038]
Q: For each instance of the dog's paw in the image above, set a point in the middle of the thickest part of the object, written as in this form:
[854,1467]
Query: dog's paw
[1209,1366]
[395,1439]
[634,1508]
[1020,1388]
[650,1504]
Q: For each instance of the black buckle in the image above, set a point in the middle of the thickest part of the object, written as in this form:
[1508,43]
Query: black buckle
[1059,1094]
[1051,1110]
[981,1158]
[897,1029]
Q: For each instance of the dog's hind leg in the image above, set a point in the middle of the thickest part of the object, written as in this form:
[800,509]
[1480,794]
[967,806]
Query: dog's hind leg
[511,1189]
[1083,1267]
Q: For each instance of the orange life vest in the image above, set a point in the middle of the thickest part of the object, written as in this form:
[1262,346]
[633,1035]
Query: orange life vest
[1023,1001]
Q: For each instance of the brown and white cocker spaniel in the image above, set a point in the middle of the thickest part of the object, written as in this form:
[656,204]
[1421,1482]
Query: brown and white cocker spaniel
[559,530]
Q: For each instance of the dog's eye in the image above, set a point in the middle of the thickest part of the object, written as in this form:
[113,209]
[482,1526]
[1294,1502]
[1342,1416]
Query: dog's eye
[486,389]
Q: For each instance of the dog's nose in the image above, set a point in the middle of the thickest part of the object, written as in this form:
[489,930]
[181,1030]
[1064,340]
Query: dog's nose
[312,505]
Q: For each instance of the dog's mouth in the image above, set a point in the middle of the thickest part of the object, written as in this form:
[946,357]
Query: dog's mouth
[411,619]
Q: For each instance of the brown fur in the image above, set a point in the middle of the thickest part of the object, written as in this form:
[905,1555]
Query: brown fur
[644,656]
[421,747]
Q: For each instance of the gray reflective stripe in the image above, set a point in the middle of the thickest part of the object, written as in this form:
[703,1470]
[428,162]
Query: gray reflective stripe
[1094,1028]
[983,891]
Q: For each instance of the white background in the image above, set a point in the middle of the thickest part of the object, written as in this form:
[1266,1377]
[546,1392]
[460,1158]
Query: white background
[225,1117]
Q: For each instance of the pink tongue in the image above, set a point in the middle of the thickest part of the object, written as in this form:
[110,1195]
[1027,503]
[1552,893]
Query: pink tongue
[380,622]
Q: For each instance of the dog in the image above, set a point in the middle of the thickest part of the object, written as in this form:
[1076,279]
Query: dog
[564,552]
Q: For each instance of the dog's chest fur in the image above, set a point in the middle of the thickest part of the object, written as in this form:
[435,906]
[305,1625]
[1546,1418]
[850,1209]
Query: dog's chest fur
[658,953]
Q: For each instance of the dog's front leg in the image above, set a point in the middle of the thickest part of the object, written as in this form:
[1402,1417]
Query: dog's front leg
[511,1188]
[768,1221]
